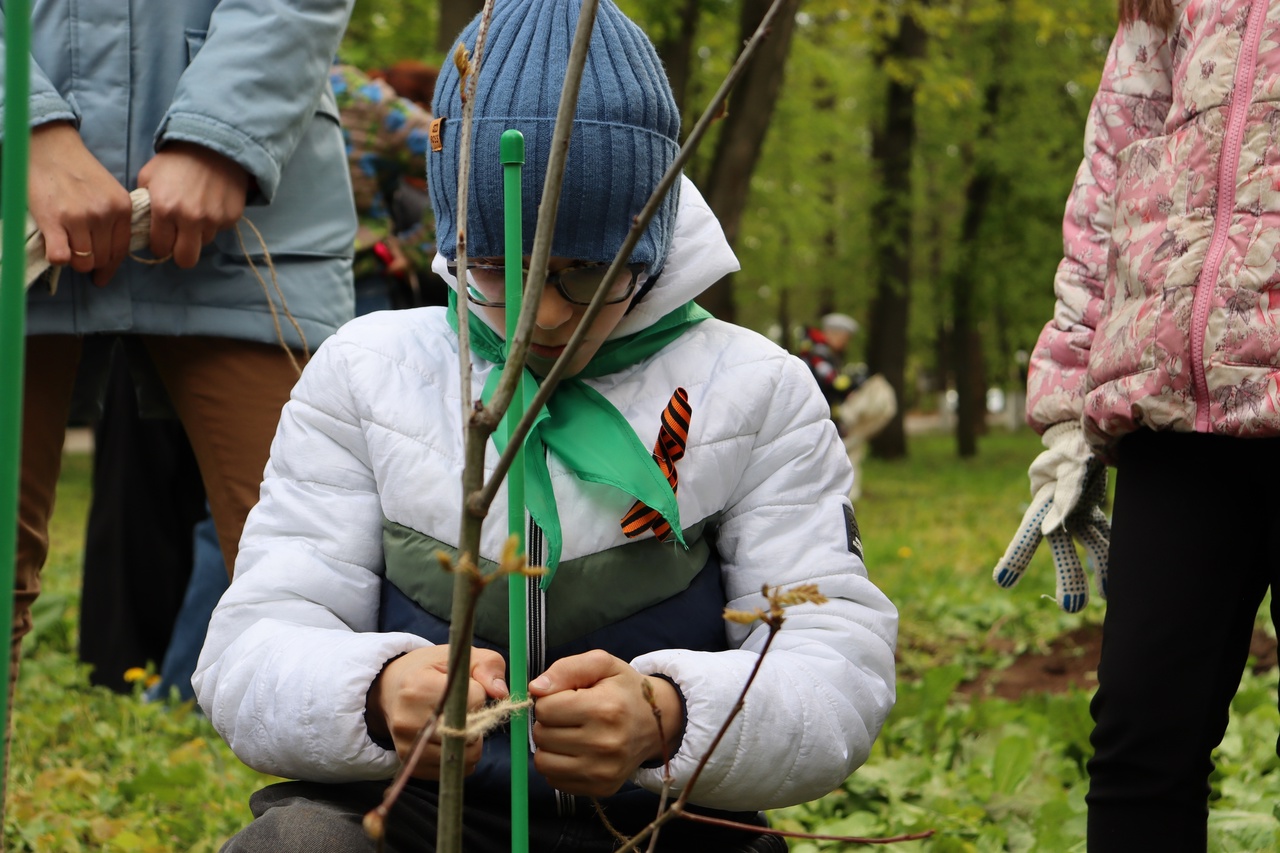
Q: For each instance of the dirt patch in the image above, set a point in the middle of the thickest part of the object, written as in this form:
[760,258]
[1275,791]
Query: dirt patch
[1072,663]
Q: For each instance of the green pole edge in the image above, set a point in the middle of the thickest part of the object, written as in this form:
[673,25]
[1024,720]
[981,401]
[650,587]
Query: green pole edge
[511,149]
[13,304]
[13,212]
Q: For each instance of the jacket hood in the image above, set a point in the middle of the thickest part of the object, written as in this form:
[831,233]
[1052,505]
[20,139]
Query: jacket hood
[700,256]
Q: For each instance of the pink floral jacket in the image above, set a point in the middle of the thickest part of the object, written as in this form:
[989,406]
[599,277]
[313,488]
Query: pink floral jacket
[1168,311]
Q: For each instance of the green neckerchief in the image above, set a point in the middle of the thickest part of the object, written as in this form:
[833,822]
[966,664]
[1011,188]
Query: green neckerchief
[583,429]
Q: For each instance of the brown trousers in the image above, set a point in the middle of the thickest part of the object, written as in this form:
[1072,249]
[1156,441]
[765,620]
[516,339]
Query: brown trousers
[228,395]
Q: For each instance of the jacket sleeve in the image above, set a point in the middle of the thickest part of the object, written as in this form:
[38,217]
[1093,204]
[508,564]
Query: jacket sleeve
[827,682]
[46,103]
[1132,102]
[292,647]
[254,86]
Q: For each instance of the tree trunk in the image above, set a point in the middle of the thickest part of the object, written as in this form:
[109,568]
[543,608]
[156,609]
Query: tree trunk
[743,133]
[824,101]
[454,15]
[969,394]
[892,149]
[970,383]
[675,49]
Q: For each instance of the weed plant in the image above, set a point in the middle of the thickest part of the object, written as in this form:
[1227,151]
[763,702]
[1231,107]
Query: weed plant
[91,770]
[987,773]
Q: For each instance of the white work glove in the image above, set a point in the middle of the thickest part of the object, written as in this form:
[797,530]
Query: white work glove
[1068,487]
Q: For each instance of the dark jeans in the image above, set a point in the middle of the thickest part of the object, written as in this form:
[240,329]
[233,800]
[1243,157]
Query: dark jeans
[1196,543]
[208,583]
[305,817]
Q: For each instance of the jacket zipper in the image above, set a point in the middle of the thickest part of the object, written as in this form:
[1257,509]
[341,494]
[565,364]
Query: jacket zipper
[1228,163]
[535,605]
[536,639]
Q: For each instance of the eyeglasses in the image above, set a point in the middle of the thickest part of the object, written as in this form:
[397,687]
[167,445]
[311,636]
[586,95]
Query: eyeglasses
[486,283]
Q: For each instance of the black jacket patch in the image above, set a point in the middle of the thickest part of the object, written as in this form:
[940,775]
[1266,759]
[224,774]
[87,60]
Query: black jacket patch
[851,531]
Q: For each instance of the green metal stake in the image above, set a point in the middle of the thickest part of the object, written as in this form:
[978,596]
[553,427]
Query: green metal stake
[512,150]
[13,209]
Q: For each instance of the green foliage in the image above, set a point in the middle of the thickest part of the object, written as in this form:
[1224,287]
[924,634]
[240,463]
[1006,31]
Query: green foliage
[986,773]
[933,527]
[93,770]
[808,231]
[992,775]
[384,31]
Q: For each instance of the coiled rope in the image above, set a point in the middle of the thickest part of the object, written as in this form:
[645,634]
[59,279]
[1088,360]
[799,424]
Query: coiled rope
[140,237]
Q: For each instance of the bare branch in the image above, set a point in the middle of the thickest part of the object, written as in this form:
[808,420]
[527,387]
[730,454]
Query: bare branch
[469,76]
[375,820]
[465,590]
[666,759]
[778,600]
[480,502]
[766,830]
[548,208]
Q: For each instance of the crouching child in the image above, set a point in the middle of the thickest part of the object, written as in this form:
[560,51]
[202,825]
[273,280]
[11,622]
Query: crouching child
[682,465]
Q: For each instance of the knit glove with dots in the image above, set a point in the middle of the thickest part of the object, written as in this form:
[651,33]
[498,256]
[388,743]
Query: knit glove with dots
[1069,486]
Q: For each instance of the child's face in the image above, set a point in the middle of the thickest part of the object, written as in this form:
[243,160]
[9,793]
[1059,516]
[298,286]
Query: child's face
[556,322]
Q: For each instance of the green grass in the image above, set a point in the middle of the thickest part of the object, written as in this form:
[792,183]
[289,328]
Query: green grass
[933,527]
[92,770]
[989,774]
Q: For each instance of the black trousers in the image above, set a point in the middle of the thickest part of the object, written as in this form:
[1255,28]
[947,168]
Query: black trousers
[307,817]
[1195,545]
[147,497]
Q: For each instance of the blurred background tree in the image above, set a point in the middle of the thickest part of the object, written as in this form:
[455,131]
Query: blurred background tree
[903,161]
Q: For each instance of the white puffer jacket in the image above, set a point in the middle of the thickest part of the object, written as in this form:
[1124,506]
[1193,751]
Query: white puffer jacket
[373,431]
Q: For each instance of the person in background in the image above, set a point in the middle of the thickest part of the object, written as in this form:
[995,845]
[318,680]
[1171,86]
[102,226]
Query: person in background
[327,653]
[1161,358]
[236,123]
[861,405]
[386,133]
[823,349]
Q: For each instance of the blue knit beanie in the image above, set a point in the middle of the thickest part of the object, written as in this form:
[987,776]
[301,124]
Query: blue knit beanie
[625,134]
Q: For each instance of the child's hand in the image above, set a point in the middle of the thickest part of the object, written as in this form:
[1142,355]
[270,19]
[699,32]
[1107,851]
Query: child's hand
[409,689]
[593,727]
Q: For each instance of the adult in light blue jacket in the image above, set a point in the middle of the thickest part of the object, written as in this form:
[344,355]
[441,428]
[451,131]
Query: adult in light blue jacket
[221,108]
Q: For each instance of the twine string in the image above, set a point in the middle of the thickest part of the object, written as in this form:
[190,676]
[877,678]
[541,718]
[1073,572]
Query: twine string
[266,292]
[275,283]
[488,718]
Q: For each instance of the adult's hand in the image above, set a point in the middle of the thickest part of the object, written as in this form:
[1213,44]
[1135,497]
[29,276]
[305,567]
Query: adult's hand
[592,725]
[409,690]
[82,210]
[195,193]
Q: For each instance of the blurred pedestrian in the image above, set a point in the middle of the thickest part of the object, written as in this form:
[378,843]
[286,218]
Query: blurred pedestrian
[386,134]
[147,496]
[823,348]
